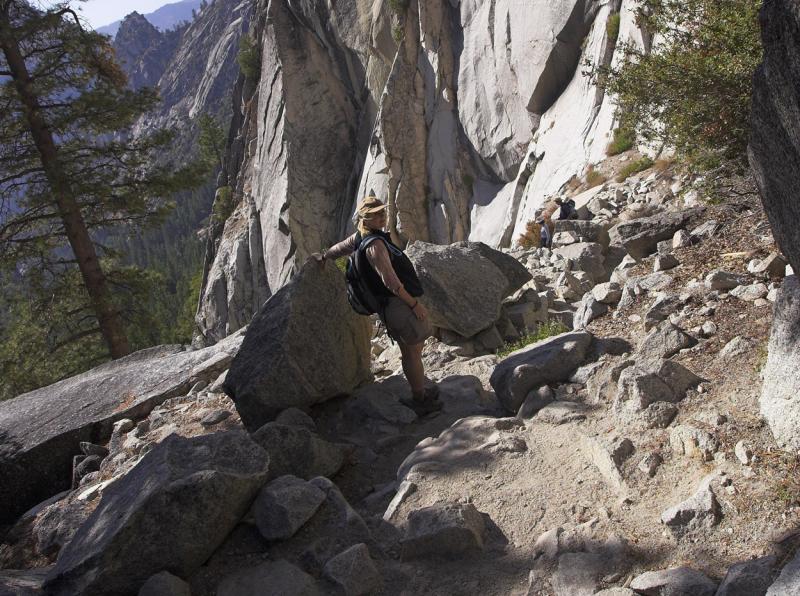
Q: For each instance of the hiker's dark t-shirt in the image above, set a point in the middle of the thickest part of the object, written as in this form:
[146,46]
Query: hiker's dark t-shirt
[377,256]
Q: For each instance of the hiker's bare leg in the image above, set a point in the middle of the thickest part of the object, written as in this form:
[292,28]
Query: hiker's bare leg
[413,368]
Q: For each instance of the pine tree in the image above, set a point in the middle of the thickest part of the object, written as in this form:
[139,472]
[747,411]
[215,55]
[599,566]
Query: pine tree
[68,172]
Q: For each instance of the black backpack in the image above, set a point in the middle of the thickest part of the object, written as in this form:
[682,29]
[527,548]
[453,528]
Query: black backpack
[365,292]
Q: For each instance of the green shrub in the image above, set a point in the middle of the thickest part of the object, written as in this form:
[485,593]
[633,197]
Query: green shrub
[541,332]
[249,57]
[624,139]
[612,28]
[341,263]
[692,91]
[634,168]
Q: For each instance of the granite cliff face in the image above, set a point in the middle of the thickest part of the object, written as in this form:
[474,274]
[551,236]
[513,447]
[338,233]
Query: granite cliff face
[462,116]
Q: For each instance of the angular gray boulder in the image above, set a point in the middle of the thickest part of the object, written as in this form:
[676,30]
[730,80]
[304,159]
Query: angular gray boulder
[334,527]
[700,511]
[640,237]
[465,283]
[354,571]
[548,361]
[443,530]
[171,511]
[749,578]
[774,149]
[284,505]
[42,430]
[296,450]
[678,581]
[585,256]
[780,394]
[788,582]
[306,345]
[589,231]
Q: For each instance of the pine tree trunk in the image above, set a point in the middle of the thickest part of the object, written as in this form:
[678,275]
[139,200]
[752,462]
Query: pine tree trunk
[74,225]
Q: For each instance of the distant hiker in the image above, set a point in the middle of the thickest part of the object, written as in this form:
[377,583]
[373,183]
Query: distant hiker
[389,278]
[567,210]
[546,222]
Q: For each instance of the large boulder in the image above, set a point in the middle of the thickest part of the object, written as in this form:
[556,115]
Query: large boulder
[465,283]
[585,256]
[780,394]
[42,430]
[548,361]
[774,137]
[641,236]
[306,345]
[171,511]
[583,229]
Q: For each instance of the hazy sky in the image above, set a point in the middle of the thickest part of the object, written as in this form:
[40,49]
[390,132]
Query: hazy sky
[104,12]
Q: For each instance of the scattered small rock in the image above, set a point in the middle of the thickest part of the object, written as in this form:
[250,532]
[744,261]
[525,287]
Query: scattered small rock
[443,530]
[679,581]
[650,463]
[681,239]
[708,329]
[735,347]
[700,511]
[750,293]
[215,418]
[693,442]
[284,505]
[562,412]
[621,450]
[354,571]
[725,280]
[743,453]
[665,262]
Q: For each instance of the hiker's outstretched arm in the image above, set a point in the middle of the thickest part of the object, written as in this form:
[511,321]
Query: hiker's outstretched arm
[342,249]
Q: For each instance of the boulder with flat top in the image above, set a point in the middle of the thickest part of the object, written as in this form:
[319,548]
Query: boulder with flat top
[305,346]
[465,283]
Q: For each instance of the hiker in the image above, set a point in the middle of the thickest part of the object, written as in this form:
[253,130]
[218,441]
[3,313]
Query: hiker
[545,220]
[405,318]
[567,210]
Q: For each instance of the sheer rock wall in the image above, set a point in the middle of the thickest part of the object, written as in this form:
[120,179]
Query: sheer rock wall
[463,116]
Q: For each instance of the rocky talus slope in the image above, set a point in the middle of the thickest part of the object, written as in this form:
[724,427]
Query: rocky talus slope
[625,455]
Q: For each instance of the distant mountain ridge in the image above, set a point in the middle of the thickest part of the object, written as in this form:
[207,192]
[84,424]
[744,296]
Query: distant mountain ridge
[163,19]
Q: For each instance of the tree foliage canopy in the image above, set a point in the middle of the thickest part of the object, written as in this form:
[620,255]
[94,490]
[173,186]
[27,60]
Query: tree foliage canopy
[691,90]
[71,176]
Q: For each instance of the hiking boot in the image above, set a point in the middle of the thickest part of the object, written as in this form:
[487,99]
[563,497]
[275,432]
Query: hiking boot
[422,407]
[431,392]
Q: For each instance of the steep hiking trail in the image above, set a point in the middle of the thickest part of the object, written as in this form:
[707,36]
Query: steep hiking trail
[624,454]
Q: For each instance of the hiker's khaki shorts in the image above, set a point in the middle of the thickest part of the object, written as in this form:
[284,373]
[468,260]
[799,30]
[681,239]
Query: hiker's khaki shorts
[403,325]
